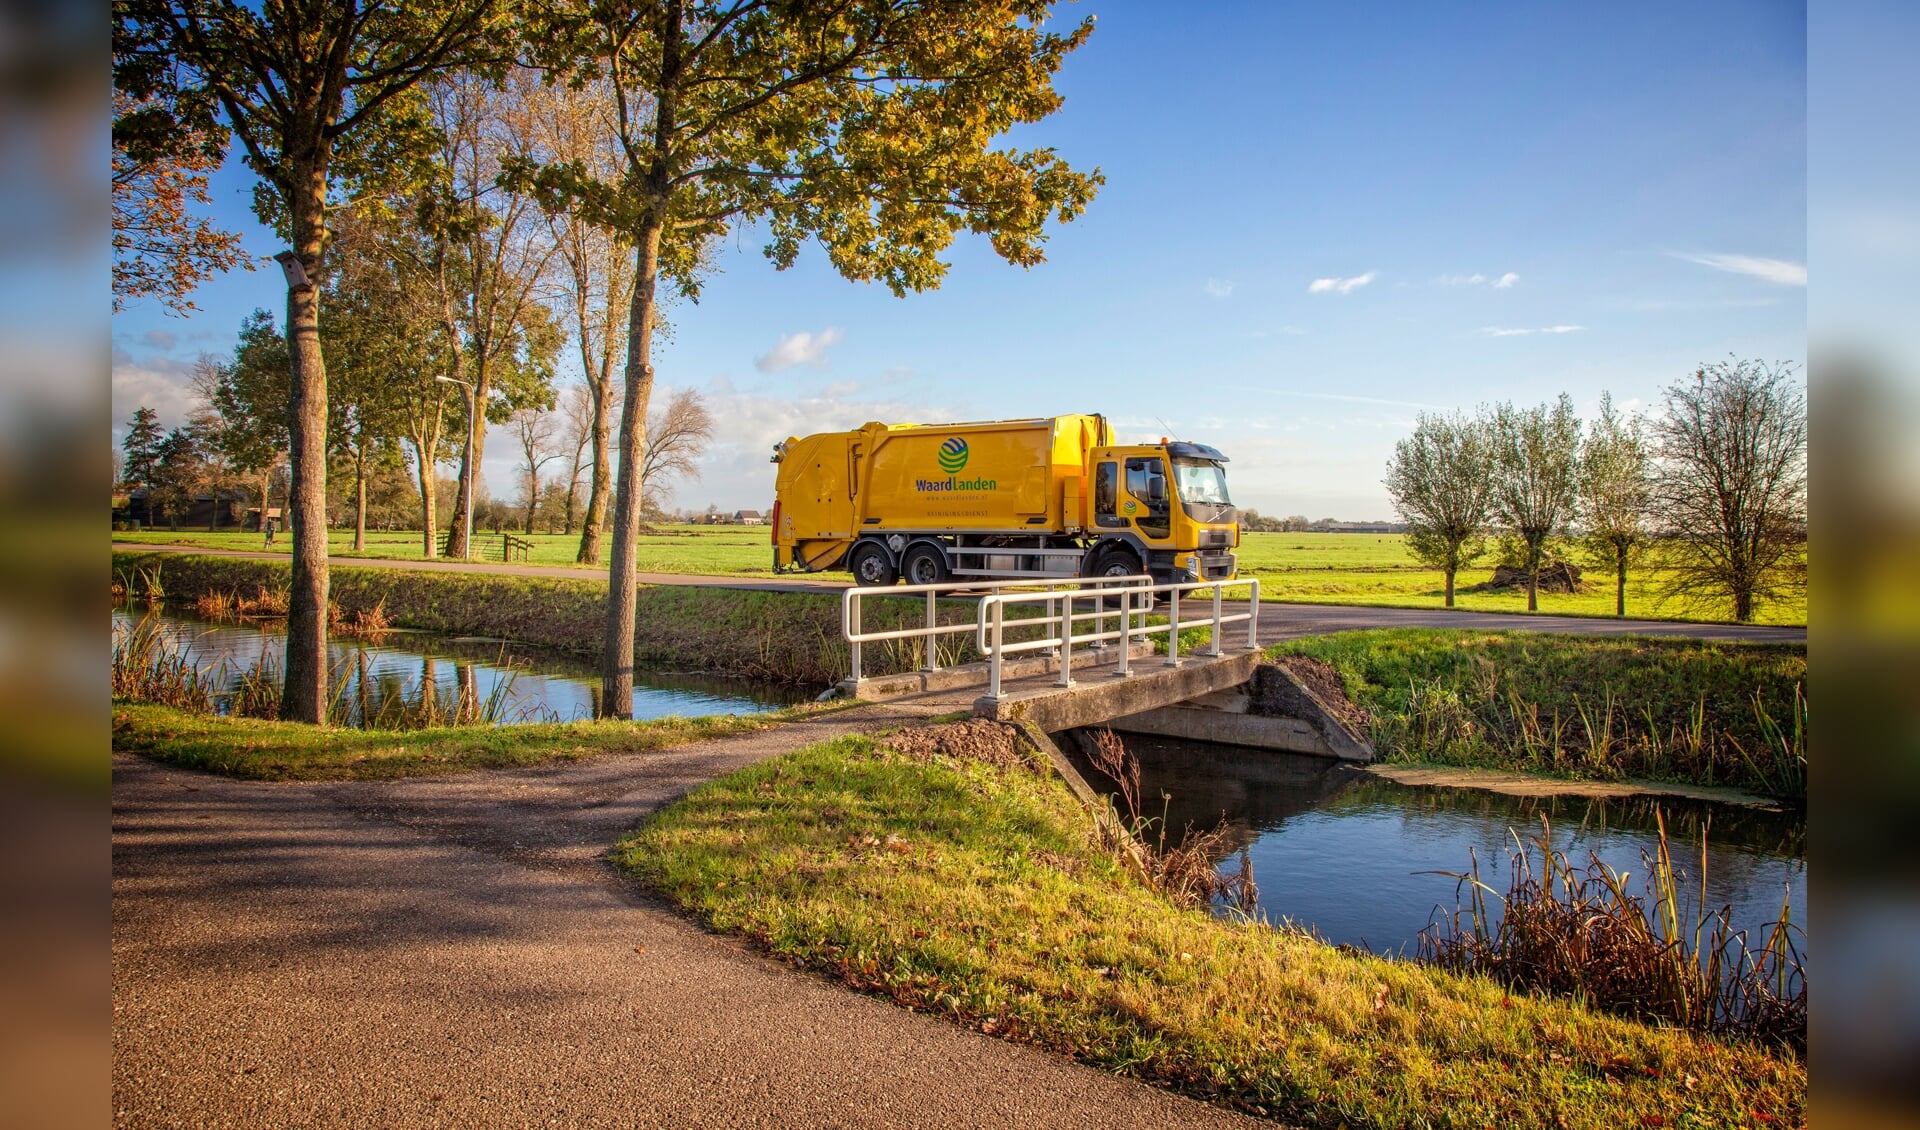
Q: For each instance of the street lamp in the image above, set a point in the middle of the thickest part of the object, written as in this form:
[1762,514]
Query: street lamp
[466,488]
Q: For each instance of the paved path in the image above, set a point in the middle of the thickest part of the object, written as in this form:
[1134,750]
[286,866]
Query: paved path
[454,952]
[1278,621]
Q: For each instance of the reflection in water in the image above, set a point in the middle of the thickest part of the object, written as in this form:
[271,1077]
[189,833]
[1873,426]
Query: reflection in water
[527,683]
[1352,855]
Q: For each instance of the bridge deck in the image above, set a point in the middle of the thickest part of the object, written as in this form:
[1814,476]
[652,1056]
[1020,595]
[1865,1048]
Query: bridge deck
[1098,694]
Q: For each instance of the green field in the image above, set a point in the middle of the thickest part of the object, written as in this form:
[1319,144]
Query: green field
[1370,569]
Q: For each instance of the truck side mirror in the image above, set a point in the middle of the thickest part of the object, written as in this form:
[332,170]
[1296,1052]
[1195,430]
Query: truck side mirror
[1156,489]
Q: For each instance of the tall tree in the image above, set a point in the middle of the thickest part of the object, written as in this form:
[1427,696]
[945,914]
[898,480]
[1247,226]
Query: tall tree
[574,123]
[581,413]
[867,125]
[142,448]
[249,396]
[1615,494]
[496,257]
[1536,482]
[1441,481]
[376,348]
[1731,484]
[177,473]
[303,88]
[160,248]
[677,436]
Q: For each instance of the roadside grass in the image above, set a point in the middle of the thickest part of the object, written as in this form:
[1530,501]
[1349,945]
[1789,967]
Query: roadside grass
[979,895]
[1702,712]
[1313,568]
[293,751]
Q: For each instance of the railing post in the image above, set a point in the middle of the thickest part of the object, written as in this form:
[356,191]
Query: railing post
[993,660]
[1218,627]
[1066,643]
[1253,616]
[1173,629]
[852,608]
[1126,631]
[933,650]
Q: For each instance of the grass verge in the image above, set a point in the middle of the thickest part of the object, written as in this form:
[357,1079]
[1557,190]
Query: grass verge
[976,893]
[1587,706]
[292,751]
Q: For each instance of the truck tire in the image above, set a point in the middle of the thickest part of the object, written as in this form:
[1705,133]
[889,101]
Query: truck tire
[871,565]
[924,564]
[1117,561]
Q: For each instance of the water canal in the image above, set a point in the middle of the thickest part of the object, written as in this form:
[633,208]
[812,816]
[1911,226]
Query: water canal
[1352,855]
[529,684]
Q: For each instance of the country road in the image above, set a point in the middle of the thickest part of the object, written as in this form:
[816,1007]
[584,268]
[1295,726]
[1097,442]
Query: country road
[1278,620]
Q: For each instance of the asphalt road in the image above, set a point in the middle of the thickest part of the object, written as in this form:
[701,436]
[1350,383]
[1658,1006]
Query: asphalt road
[454,952]
[1278,621]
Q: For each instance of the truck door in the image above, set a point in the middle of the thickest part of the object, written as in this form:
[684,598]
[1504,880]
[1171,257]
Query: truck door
[1106,496]
[1150,513]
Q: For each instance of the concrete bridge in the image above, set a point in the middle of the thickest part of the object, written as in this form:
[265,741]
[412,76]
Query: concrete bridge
[1090,656]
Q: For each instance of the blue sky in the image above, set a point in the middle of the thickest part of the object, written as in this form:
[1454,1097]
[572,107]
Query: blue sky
[1317,221]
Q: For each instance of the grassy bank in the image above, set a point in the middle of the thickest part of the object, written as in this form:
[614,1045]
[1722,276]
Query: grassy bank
[276,751]
[976,893]
[791,637]
[1370,569]
[1678,710]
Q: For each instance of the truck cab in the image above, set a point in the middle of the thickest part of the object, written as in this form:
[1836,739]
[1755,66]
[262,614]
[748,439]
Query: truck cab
[1167,502]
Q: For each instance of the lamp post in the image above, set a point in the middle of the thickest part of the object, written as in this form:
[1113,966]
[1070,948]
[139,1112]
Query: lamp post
[466,488]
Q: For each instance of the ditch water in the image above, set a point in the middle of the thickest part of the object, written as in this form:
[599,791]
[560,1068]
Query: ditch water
[1349,854]
[531,684]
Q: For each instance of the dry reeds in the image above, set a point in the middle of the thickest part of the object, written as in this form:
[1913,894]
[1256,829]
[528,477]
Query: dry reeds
[1185,872]
[1578,931]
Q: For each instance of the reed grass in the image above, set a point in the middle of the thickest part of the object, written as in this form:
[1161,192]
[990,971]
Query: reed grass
[1184,871]
[1664,955]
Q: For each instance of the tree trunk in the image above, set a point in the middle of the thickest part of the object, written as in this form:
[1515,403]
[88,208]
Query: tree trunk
[1533,581]
[360,495]
[616,672]
[1620,587]
[1450,573]
[266,489]
[305,693]
[597,492]
[423,474]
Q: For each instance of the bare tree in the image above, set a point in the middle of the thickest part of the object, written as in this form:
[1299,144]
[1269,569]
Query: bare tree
[577,410]
[1536,482]
[1731,484]
[533,429]
[1441,482]
[677,437]
[1615,494]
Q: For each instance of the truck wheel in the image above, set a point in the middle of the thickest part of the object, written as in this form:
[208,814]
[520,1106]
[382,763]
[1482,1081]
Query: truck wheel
[870,564]
[1116,561]
[924,565]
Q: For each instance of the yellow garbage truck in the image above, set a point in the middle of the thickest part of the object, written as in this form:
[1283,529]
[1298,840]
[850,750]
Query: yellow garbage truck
[1004,499]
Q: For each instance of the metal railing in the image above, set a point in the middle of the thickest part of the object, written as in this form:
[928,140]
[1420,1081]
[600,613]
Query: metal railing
[852,626]
[1061,621]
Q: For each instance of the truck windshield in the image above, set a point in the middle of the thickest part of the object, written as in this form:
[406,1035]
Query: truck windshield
[1202,487]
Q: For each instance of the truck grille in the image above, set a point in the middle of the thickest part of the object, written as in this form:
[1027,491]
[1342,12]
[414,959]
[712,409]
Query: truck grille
[1215,539]
[1216,566]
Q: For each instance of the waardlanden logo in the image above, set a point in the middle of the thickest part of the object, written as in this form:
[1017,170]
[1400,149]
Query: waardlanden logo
[953,455]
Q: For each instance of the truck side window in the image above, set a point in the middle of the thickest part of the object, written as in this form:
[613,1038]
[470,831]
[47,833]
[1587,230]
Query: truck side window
[1153,517]
[1106,490]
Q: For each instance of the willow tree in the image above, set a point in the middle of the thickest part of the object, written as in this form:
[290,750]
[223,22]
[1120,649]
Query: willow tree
[1616,493]
[1536,481]
[304,88]
[1441,481]
[867,125]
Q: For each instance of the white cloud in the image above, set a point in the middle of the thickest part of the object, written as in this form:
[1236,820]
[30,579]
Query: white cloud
[1505,281]
[1777,271]
[799,349]
[1502,282]
[1218,288]
[1340,286]
[1496,331]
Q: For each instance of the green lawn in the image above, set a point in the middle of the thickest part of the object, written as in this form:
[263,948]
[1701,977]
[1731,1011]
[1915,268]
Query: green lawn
[1370,569]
